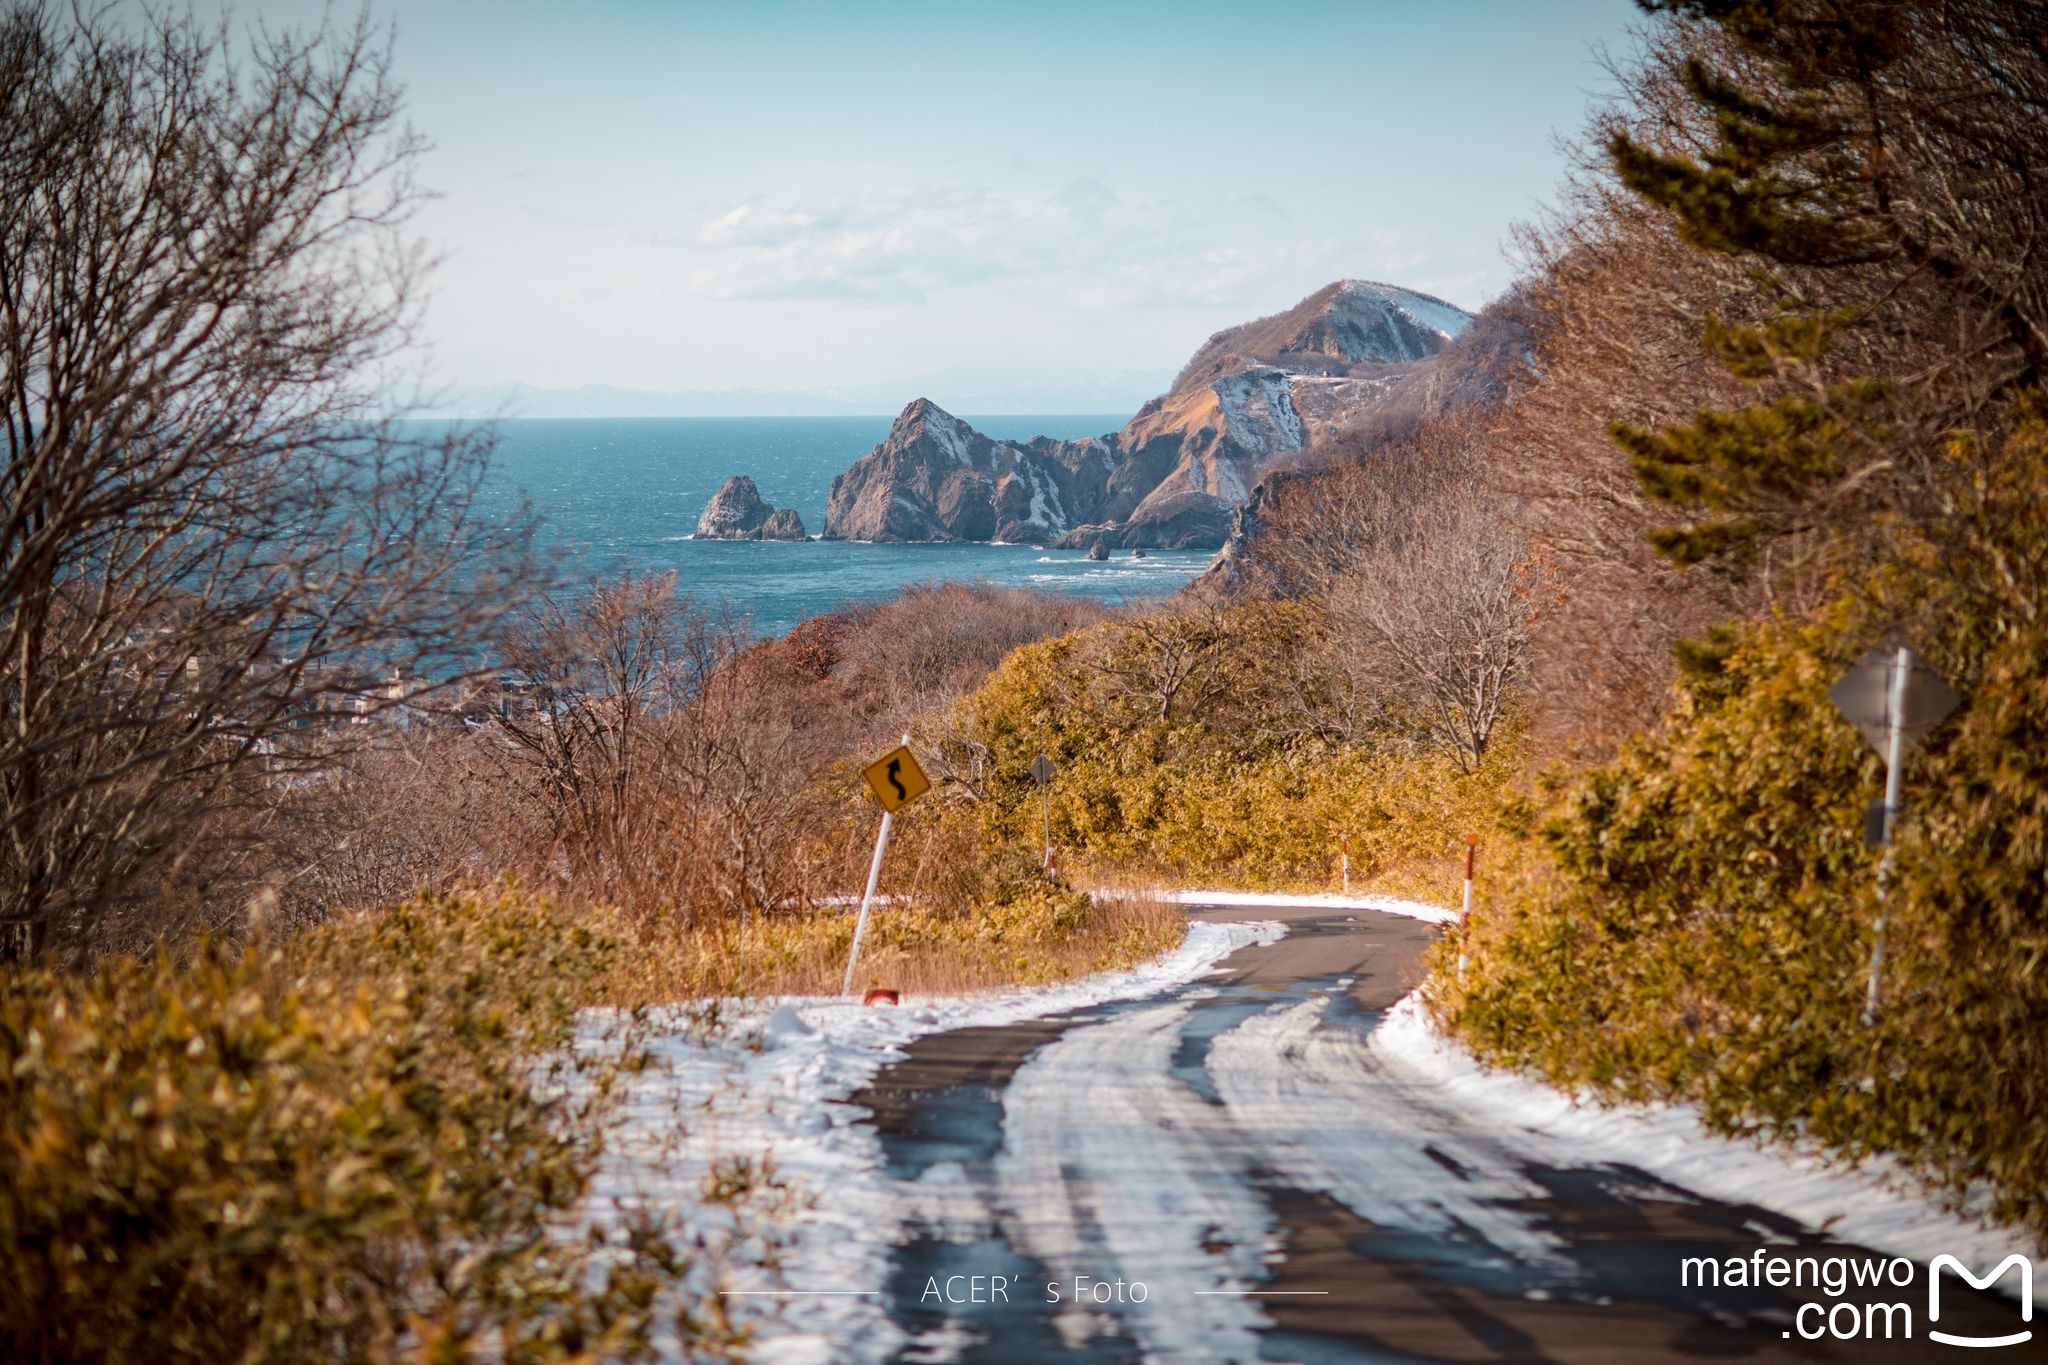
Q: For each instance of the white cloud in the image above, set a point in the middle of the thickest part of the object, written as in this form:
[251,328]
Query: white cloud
[1091,247]
[861,284]
[751,225]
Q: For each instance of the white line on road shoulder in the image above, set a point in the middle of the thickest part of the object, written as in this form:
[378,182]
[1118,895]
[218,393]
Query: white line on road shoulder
[749,1293]
[1294,1293]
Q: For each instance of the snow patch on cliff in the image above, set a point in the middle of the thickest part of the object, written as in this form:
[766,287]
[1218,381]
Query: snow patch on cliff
[1045,498]
[1430,314]
[1258,412]
[949,434]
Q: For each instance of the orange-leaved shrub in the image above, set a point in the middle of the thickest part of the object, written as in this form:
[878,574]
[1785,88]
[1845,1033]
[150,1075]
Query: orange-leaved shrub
[358,1142]
[1694,919]
[1195,751]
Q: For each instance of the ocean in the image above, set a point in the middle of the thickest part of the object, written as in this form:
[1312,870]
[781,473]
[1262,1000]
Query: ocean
[625,493]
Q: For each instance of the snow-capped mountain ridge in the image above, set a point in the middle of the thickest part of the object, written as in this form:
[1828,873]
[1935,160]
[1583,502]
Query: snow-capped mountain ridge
[1340,326]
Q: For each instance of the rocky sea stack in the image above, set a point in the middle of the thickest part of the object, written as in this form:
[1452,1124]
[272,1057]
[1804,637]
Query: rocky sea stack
[737,512]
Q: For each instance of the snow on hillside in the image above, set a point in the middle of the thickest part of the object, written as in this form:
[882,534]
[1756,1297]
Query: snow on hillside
[1258,412]
[1427,312]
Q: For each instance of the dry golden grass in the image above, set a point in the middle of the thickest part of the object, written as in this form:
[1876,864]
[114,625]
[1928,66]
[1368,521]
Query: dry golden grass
[918,951]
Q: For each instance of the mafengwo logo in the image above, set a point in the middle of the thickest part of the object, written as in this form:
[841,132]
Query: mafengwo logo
[1847,1308]
[2012,1262]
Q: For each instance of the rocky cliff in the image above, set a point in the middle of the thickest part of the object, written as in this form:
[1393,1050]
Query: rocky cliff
[1172,476]
[738,512]
[1481,367]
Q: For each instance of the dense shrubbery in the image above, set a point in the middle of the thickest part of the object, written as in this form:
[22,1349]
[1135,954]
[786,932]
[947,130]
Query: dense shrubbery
[1201,762]
[1783,396]
[352,1144]
[1695,919]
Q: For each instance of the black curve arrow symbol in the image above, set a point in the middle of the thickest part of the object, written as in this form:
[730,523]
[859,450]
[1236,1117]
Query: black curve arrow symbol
[895,767]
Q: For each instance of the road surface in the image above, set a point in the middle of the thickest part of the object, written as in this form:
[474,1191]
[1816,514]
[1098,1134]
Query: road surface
[1226,1172]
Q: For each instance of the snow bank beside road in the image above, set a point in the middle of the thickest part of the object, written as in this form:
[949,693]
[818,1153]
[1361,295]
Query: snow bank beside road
[773,1086]
[1876,1205]
[1388,905]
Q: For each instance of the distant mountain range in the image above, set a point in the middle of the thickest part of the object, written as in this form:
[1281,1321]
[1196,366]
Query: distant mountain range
[1174,475]
[602,400]
[967,393]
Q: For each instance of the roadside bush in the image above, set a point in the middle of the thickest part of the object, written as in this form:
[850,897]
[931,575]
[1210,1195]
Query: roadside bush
[352,1144]
[1694,919]
[1238,790]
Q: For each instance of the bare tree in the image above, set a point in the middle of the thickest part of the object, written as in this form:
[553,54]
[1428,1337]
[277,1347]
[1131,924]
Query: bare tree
[1443,620]
[598,676]
[918,652]
[1165,666]
[1312,522]
[670,765]
[217,543]
[745,756]
[425,807]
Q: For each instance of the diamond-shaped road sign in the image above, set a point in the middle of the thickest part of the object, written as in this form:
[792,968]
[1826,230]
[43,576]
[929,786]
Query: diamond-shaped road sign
[1865,691]
[896,780]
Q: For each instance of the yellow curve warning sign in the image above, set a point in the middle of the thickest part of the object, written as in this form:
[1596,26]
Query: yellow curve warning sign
[896,779]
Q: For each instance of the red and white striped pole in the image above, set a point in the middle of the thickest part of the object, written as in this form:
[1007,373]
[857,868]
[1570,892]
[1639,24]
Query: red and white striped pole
[1465,920]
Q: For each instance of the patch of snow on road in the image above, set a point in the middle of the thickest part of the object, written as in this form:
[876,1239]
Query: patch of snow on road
[771,1088]
[1877,1205]
[1111,1166]
[1330,1116]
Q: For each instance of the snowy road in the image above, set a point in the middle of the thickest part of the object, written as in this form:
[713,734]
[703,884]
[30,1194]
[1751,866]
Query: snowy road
[1248,1164]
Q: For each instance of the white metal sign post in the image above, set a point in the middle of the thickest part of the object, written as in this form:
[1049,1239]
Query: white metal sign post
[1041,773]
[1894,698]
[1894,763]
[896,781]
[860,926]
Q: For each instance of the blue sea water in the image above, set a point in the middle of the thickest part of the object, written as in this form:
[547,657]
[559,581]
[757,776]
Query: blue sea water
[626,493]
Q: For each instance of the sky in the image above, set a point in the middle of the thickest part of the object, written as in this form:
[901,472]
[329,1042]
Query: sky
[862,200]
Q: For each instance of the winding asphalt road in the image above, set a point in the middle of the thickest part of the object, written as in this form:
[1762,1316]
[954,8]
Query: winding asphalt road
[1227,1172]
